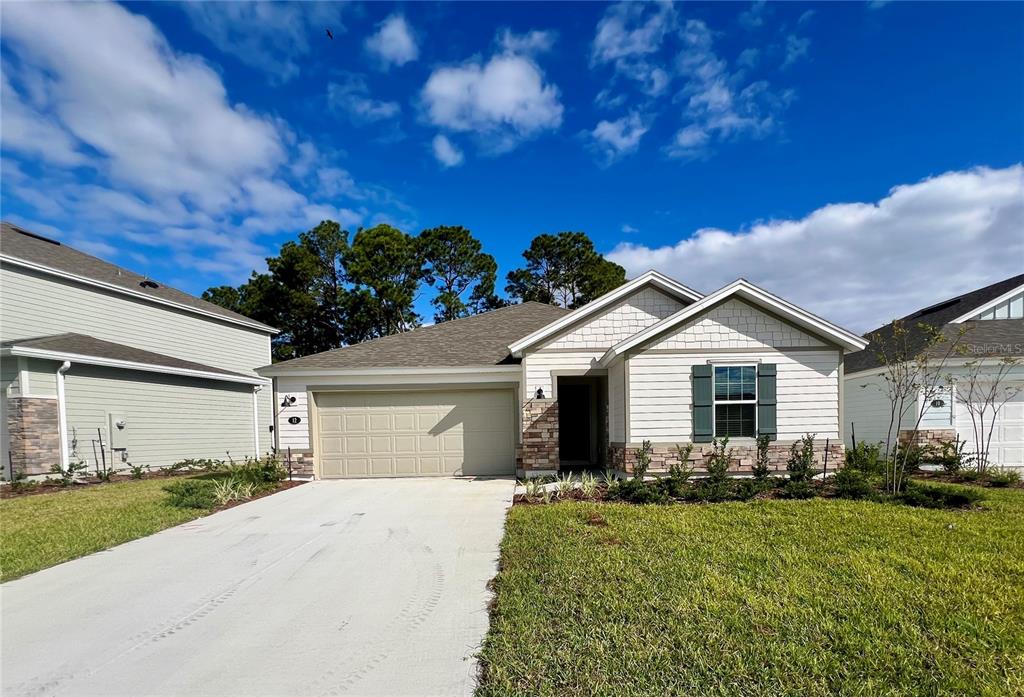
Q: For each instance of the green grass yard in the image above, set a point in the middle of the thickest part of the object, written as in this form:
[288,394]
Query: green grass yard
[47,529]
[818,597]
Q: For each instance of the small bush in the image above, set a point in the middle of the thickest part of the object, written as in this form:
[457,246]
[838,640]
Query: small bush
[192,493]
[798,489]
[971,476]
[588,484]
[801,461]
[231,489]
[69,475]
[533,487]
[761,469]
[939,496]
[746,489]
[638,491]
[564,484]
[853,484]
[263,472]
[1003,478]
[950,455]
[680,471]
[643,460]
[911,456]
[718,462]
[866,458]
[136,471]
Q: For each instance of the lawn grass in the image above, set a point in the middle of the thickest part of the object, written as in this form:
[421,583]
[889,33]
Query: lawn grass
[47,529]
[818,597]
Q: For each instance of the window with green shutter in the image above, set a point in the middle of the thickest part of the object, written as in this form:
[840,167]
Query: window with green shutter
[735,401]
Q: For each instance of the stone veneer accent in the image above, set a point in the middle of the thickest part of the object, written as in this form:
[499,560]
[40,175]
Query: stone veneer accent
[539,447]
[302,462]
[34,431]
[933,437]
[623,458]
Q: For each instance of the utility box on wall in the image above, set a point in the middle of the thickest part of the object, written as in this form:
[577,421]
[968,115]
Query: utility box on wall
[117,431]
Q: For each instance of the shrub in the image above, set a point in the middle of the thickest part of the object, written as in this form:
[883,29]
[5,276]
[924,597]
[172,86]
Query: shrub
[798,489]
[866,458]
[69,475]
[643,460]
[1003,477]
[939,496]
[192,493]
[588,484]
[761,470]
[853,484]
[564,484]
[801,460]
[971,475]
[261,472]
[680,471]
[718,462]
[910,456]
[638,491]
[231,489]
[950,455]
[533,487]
[746,489]
[136,471]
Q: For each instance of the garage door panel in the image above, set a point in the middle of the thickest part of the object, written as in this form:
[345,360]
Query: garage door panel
[1007,445]
[416,433]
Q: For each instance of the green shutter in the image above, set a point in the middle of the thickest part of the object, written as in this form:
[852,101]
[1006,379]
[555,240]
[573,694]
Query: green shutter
[766,402]
[703,409]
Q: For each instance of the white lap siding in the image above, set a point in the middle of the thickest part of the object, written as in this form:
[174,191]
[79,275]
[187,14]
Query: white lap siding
[617,402]
[807,384]
[539,367]
[169,417]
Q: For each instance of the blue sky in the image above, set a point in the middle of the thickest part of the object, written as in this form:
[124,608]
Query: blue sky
[862,159]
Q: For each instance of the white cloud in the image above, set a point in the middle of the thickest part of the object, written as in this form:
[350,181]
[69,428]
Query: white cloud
[446,152]
[613,140]
[530,43]
[796,48]
[502,102]
[629,36]
[862,264]
[719,105]
[877,4]
[748,57]
[754,16]
[164,145]
[393,43]
[351,95]
[270,36]
[629,229]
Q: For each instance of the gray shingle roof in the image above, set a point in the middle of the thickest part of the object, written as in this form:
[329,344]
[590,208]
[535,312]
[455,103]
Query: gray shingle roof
[480,340]
[939,317]
[36,249]
[83,345]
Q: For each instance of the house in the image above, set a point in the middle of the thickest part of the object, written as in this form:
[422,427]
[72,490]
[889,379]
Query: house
[92,352]
[533,389]
[983,334]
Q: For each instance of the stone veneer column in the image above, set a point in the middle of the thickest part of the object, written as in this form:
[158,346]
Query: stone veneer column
[302,462]
[928,437]
[744,456]
[34,435]
[538,452]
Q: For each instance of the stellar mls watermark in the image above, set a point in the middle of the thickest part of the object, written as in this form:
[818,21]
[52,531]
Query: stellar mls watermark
[994,349]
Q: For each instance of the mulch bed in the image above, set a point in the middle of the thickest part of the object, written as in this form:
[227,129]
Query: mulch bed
[281,486]
[54,486]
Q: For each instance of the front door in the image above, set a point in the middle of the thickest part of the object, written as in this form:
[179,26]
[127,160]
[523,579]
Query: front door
[575,421]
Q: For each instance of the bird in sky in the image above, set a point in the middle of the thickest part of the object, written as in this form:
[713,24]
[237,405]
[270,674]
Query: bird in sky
[330,34]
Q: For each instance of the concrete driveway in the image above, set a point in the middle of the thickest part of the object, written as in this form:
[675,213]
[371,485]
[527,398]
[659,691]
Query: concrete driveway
[368,587]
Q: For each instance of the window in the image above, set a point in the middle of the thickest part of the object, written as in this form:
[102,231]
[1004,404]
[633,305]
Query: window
[736,401]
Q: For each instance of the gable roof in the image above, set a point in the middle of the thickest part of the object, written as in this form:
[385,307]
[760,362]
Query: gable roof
[747,291]
[86,349]
[939,316]
[24,248]
[652,278]
[478,341]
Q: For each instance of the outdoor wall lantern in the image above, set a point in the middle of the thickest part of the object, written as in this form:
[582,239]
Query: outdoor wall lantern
[540,393]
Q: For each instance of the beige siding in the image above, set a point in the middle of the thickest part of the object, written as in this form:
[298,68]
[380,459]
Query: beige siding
[867,407]
[735,325]
[660,393]
[631,315]
[169,417]
[538,368]
[33,304]
[41,378]
[617,402]
[294,436]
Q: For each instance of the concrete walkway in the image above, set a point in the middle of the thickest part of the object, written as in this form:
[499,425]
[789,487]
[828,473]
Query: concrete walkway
[367,587]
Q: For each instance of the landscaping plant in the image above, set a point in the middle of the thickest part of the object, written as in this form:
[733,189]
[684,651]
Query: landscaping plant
[192,493]
[67,476]
[940,495]
[801,468]
[761,469]
[1003,477]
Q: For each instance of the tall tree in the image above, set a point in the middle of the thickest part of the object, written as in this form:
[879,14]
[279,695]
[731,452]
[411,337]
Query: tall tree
[387,262]
[455,263]
[563,269]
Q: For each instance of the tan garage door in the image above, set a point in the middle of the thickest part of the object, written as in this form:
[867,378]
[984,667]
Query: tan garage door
[418,433]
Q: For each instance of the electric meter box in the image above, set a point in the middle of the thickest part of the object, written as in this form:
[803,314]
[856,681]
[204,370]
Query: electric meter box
[118,432]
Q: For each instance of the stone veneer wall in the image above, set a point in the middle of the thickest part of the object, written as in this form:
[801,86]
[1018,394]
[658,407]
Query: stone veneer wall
[744,456]
[302,462]
[34,432]
[933,437]
[539,447]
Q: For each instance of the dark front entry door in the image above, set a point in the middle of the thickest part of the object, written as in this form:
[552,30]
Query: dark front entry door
[574,422]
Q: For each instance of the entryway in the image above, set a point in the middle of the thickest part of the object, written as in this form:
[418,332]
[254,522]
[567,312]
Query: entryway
[582,421]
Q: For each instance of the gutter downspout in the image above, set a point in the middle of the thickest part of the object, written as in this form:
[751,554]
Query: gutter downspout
[62,416]
[256,420]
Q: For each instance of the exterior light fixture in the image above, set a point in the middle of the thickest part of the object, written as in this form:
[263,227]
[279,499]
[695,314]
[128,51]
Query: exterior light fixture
[540,393]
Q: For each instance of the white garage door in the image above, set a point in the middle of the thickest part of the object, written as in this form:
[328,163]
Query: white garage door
[411,434]
[1007,447]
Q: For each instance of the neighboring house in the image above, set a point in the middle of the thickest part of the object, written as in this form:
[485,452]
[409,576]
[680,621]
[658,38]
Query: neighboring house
[87,345]
[987,326]
[531,388]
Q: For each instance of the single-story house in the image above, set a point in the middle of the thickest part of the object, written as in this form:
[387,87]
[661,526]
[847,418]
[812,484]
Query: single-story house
[532,389]
[91,352]
[983,334]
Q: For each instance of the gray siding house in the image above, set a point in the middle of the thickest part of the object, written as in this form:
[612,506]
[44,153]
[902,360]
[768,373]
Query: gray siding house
[90,351]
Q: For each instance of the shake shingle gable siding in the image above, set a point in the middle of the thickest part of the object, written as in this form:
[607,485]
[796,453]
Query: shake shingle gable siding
[480,340]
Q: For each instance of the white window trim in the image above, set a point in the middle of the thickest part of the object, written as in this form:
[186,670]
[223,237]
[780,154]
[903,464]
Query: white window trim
[714,395]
